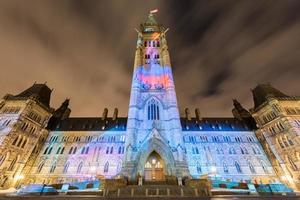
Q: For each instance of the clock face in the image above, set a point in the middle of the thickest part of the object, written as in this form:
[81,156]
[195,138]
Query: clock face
[149,29]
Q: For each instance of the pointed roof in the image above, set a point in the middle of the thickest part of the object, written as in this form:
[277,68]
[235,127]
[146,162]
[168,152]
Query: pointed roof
[151,19]
[150,25]
[262,92]
[39,92]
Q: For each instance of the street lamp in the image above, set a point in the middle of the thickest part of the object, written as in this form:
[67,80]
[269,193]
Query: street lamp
[18,179]
[213,170]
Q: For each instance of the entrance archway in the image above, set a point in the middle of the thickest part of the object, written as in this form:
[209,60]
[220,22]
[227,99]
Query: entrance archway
[162,151]
[154,168]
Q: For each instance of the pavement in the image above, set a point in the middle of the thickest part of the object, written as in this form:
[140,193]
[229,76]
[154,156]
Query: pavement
[86,197]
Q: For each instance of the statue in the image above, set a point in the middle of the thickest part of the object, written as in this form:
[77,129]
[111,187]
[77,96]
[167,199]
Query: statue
[139,42]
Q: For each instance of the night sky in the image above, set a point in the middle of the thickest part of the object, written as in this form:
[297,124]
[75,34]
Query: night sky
[84,50]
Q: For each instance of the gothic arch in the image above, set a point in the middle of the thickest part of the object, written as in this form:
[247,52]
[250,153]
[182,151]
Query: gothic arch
[164,151]
[153,97]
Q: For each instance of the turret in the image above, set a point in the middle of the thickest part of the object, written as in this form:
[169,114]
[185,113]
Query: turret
[240,113]
[197,114]
[115,115]
[187,114]
[104,115]
[59,114]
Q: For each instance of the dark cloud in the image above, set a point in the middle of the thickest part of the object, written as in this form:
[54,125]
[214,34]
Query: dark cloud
[85,49]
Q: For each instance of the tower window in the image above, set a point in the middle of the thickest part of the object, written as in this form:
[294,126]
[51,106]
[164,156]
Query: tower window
[153,110]
[157,44]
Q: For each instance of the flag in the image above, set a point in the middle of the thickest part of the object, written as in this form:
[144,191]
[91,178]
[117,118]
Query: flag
[154,11]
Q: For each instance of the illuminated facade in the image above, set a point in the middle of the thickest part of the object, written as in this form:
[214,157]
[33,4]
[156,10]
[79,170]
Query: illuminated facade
[153,142]
[278,118]
[23,119]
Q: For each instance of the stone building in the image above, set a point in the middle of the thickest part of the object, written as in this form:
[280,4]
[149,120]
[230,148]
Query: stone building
[23,119]
[154,142]
[278,118]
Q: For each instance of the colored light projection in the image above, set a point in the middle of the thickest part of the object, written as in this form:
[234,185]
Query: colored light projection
[153,75]
[99,156]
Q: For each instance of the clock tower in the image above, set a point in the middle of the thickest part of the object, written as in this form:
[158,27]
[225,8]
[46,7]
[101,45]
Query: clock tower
[154,140]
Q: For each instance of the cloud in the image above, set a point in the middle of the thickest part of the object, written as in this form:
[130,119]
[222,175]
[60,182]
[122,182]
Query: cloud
[85,50]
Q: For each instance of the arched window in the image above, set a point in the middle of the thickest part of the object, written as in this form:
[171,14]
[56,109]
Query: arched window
[2,159]
[119,167]
[225,167]
[238,167]
[40,167]
[106,167]
[242,151]
[111,150]
[79,167]
[71,150]
[45,152]
[24,143]
[107,150]
[251,167]
[12,165]
[199,170]
[52,167]
[290,141]
[15,141]
[292,163]
[153,110]
[245,150]
[20,141]
[66,167]
[75,149]
[196,150]
[62,150]
[264,166]
[58,150]
[49,152]
[120,150]
[232,151]
[83,150]
[87,150]
[253,149]
[258,150]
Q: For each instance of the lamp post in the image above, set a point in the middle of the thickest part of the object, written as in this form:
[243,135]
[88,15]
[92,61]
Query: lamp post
[213,170]
[93,170]
[287,179]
